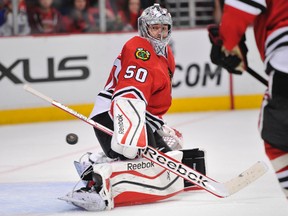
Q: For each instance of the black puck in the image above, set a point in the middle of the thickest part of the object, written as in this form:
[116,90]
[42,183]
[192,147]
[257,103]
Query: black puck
[71,138]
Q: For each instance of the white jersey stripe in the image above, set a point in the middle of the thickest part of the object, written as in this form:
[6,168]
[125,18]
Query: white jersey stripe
[270,46]
[280,162]
[117,64]
[283,174]
[130,90]
[284,184]
[248,8]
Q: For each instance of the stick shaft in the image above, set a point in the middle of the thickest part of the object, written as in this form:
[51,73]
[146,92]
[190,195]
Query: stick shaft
[67,109]
[257,76]
[37,93]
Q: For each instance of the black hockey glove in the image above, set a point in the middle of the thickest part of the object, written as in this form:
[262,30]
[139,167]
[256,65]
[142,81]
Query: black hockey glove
[234,61]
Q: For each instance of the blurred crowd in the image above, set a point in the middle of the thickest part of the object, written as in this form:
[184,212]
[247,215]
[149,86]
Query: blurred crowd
[69,16]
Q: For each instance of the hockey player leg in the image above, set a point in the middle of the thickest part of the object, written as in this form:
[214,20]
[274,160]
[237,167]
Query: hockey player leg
[132,182]
[279,161]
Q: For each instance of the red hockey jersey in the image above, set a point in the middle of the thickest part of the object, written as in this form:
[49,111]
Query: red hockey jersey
[269,18]
[139,73]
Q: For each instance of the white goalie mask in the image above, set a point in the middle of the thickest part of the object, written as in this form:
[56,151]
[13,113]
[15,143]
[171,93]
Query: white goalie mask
[152,16]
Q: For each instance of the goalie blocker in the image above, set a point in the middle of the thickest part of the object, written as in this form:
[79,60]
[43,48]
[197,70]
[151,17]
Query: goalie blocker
[111,183]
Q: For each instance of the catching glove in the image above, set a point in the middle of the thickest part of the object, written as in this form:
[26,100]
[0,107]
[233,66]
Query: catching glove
[171,136]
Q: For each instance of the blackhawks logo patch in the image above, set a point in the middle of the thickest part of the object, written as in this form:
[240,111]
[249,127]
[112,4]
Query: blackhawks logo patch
[142,54]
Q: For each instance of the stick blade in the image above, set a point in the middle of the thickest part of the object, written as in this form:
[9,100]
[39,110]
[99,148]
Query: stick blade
[247,177]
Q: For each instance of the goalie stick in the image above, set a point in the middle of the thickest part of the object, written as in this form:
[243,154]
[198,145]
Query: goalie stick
[216,188]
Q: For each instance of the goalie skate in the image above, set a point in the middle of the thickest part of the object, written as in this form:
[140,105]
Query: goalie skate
[97,196]
[86,199]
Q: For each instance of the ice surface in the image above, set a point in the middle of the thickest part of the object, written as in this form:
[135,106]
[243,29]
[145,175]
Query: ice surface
[37,167]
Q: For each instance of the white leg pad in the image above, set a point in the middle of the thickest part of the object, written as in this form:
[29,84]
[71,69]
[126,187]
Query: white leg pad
[142,181]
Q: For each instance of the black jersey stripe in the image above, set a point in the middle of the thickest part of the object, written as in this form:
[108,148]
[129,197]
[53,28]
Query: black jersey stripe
[110,91]
[278,46]
[105,95]
[284,179]
[281,45]
[125,91]
[154,118]
[277,38]
[254,4]
[153,124]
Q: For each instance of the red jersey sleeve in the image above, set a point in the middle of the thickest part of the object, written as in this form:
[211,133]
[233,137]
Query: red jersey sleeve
[233,25]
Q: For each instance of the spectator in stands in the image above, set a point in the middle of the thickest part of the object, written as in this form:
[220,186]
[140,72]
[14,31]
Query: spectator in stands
[45,18]
[79,18]
[31,3]
[148,3]
[7,28]
[3,11]
[129,14]
[113,23]
[63,6]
